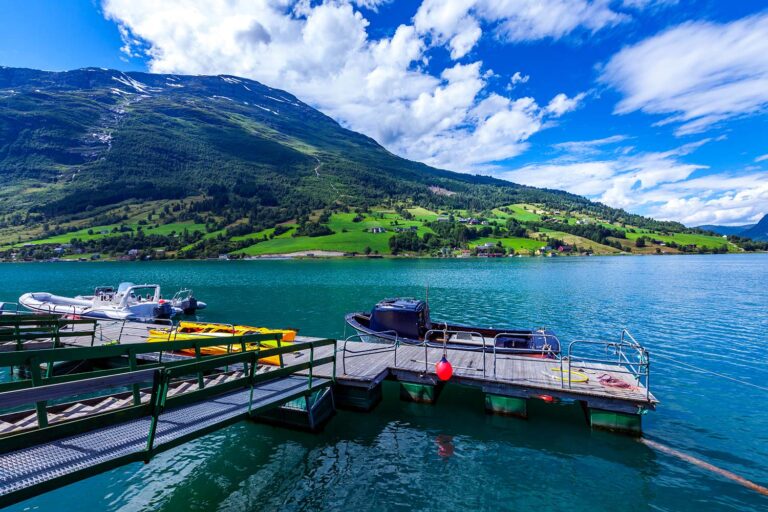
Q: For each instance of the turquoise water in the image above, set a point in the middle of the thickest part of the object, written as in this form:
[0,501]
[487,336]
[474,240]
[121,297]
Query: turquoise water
[711,311]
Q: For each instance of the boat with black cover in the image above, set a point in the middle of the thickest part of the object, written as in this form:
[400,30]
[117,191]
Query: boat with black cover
[408,321]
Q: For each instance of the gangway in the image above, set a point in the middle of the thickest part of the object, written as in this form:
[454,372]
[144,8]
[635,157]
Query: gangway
[56,429]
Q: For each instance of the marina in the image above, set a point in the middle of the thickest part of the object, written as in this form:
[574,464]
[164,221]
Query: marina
[508,379]
[158,405]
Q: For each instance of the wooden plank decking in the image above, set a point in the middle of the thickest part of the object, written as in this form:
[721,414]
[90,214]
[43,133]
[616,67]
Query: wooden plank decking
[368,364]
[514,375]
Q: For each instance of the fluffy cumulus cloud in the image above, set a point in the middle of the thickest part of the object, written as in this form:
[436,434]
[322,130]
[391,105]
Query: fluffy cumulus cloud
[461,116]
[458,22]
[696,74]
[660,184]
[323,54]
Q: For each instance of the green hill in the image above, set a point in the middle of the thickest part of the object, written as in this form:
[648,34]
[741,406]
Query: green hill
[200,165]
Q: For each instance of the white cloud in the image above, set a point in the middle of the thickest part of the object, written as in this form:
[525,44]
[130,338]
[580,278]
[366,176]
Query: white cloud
[584,147]
[697,74]
[323,54]
[761,158]
[722,199]
[659,184]
[518,78]
[371,4]
[562,104]
[644,4]
[458,22]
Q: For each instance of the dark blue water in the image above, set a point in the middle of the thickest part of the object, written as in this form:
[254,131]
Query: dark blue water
[711,311]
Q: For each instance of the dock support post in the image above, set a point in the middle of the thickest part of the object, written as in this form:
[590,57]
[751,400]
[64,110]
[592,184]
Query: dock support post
[506,405]
[308,413]
[421,393]
[357,398]
[622,422]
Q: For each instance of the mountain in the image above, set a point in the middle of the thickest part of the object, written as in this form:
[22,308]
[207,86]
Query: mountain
[192,161]
[758,232]
[724,230]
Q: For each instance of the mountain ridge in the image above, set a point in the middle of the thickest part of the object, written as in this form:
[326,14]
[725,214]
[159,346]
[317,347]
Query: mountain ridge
[93,149]
[757,232]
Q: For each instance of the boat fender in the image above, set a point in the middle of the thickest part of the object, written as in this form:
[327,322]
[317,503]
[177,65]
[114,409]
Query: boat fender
[443,369]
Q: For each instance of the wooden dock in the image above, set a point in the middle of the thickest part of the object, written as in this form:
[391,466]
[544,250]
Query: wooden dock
[508,381]
[612,397]
[167,397]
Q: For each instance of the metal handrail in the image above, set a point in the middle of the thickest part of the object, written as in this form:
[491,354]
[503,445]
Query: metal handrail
[377,350]
[640,369]
[532,334]
[445,333]
[163,374]
[4,311]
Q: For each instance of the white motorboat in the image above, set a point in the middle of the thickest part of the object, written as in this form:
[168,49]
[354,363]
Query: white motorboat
[142,303]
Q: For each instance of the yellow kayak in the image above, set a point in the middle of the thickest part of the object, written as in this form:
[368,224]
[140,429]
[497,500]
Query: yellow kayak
[187,331]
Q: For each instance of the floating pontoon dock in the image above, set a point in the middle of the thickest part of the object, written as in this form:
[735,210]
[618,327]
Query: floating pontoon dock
[508,380]
[167,398]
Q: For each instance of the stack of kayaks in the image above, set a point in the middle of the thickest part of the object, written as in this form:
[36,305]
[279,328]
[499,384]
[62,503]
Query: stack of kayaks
[186,331]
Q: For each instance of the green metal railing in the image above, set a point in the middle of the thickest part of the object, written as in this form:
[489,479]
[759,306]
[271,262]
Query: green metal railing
[48,357]
[161,379]
[39,391]
[17,331]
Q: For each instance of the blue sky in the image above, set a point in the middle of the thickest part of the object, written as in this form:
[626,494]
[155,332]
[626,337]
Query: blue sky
[656,106]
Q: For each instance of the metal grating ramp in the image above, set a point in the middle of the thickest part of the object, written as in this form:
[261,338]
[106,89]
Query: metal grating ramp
[42,464]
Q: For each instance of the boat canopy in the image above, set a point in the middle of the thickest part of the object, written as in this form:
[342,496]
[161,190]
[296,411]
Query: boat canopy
[408,317]
[123,287]
[129,293]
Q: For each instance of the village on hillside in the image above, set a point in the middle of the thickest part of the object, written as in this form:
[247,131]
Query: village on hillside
[520,230]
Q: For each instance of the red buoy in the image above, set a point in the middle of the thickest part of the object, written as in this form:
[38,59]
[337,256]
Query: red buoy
[443,369]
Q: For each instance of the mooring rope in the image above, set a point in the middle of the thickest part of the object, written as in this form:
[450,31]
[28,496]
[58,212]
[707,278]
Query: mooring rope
[723,376]
[705,465]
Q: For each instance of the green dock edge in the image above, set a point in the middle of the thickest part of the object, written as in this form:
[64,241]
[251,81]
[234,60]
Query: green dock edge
[616,421]
[506,405]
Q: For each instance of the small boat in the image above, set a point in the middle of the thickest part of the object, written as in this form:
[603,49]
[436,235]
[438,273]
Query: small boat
[186,331]
[408,321]
[140,303]
[185,300]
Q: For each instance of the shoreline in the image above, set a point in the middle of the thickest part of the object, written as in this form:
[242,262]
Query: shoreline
[337,255]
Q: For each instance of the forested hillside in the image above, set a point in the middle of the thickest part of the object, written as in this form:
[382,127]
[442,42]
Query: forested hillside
[187,164]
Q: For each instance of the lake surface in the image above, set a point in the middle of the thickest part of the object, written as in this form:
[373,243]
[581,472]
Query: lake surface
[711,311]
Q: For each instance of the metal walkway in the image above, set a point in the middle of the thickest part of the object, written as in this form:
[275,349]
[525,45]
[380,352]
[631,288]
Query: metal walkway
[58,427]
[28,471]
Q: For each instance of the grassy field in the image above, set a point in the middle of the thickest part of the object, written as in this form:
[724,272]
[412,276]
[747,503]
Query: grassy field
[423,214]
[342,242]
[684,239]
[349,236]
[521,212]
[106,231]
[518,244]
[580,242]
